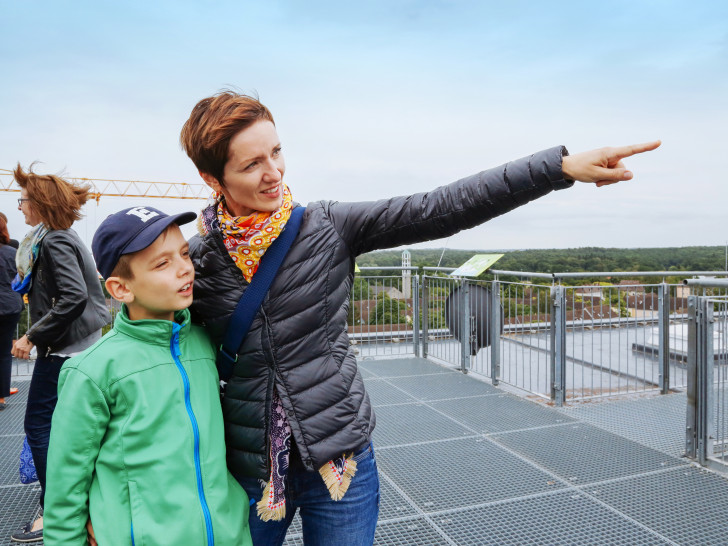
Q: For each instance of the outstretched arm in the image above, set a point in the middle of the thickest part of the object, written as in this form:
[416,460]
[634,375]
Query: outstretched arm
[442,212]
[603,166]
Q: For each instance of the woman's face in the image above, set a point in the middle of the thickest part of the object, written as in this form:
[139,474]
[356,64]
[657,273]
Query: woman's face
[254,171]
[31,217]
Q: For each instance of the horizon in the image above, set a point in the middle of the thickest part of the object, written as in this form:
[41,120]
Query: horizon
[402,248]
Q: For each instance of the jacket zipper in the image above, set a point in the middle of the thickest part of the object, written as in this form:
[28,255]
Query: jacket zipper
[268,406]
[174,347]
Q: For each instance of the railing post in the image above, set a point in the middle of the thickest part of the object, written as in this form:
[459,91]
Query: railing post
[495,328]
[415,292]
[691,413]
[699,433]
[663,327]
[465,327]
[425,313]
[706,433]
[558,345]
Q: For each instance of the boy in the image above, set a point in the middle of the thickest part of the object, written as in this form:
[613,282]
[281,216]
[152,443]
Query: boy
[137,443]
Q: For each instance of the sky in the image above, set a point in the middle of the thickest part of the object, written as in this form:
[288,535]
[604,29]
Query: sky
[383,98]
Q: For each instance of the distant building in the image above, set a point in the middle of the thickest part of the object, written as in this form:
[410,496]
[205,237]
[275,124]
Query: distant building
[590,292]
[390,291]
[631,287]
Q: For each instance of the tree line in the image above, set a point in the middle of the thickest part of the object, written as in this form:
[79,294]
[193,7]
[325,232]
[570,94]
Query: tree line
[569,260]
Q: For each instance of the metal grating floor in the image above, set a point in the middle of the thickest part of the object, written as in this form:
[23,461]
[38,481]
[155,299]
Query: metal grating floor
[464,463]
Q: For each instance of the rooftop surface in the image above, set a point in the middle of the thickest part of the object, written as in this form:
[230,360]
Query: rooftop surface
[463,462]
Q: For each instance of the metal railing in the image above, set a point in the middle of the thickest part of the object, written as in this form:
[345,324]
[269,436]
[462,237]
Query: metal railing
[707,391]
[540,335]
[383,314]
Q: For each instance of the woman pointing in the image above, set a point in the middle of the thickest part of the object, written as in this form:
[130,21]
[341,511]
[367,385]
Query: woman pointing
[298,418]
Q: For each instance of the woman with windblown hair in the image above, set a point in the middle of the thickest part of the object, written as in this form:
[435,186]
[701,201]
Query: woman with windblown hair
[67,305]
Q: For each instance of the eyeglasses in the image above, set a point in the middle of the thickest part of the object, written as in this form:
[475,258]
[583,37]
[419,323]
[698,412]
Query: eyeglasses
[20,201]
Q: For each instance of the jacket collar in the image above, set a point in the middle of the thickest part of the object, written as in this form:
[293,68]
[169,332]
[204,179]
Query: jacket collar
[156,332]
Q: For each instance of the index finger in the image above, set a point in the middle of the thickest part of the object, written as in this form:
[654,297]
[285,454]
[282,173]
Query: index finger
[626,151]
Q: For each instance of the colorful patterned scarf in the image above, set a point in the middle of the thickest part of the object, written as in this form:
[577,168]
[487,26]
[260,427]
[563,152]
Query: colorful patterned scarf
[248,237]
[25,258]
[246,240]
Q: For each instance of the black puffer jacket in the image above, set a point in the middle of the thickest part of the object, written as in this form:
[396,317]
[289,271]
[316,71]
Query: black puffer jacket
[298,341]
[66,301]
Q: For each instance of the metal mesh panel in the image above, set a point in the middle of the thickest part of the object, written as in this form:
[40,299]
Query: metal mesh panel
[441,386]
[560,518]
[382,393]
[397,425]
[402,367]
[686,504]
[10,447]
[524,346]
[719,415]
[414,532]
[381,315]
[459,473]
[18,507]
[656,421]
[441,345]
[593,454]
[392,505]
[13,416]
[499,412]
[678,334]
[602,361]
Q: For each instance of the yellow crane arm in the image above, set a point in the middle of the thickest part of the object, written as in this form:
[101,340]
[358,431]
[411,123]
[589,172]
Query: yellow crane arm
[101,187]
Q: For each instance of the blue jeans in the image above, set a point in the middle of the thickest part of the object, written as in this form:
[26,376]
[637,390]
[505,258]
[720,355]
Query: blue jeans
[42,398]
[7,333]
[350,521]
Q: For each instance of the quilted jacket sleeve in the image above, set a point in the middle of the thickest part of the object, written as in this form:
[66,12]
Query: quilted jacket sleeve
[367,226]
[79,423]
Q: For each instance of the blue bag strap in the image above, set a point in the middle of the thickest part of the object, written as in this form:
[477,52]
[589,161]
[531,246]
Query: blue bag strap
[252,298]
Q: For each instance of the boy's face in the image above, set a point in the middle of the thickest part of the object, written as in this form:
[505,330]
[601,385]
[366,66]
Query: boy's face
[162,278]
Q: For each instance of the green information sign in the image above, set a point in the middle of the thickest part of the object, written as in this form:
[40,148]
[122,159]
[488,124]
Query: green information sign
[476,265]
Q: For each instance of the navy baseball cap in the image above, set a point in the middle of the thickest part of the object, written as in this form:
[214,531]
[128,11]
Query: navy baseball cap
[130,230]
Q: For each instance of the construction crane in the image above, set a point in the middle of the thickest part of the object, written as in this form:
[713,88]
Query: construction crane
[101,187]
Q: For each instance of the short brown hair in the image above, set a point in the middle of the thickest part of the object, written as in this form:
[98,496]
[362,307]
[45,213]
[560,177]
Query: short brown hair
[57,202]
[122,268]
[214,121]
[4,235]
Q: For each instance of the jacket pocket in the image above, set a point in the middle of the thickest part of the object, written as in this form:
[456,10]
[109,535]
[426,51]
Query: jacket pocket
[135,506]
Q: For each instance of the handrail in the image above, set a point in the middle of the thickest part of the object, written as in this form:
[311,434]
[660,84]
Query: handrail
[444,269]
[715,283]
[388,268]
[583,274]
[549,276]
[574,275]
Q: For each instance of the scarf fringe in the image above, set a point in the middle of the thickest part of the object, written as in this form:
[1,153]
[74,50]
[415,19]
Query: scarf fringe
[268,511]
[338,483]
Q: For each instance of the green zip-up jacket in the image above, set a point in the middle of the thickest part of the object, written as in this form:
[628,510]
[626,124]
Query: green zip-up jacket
[137,443]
